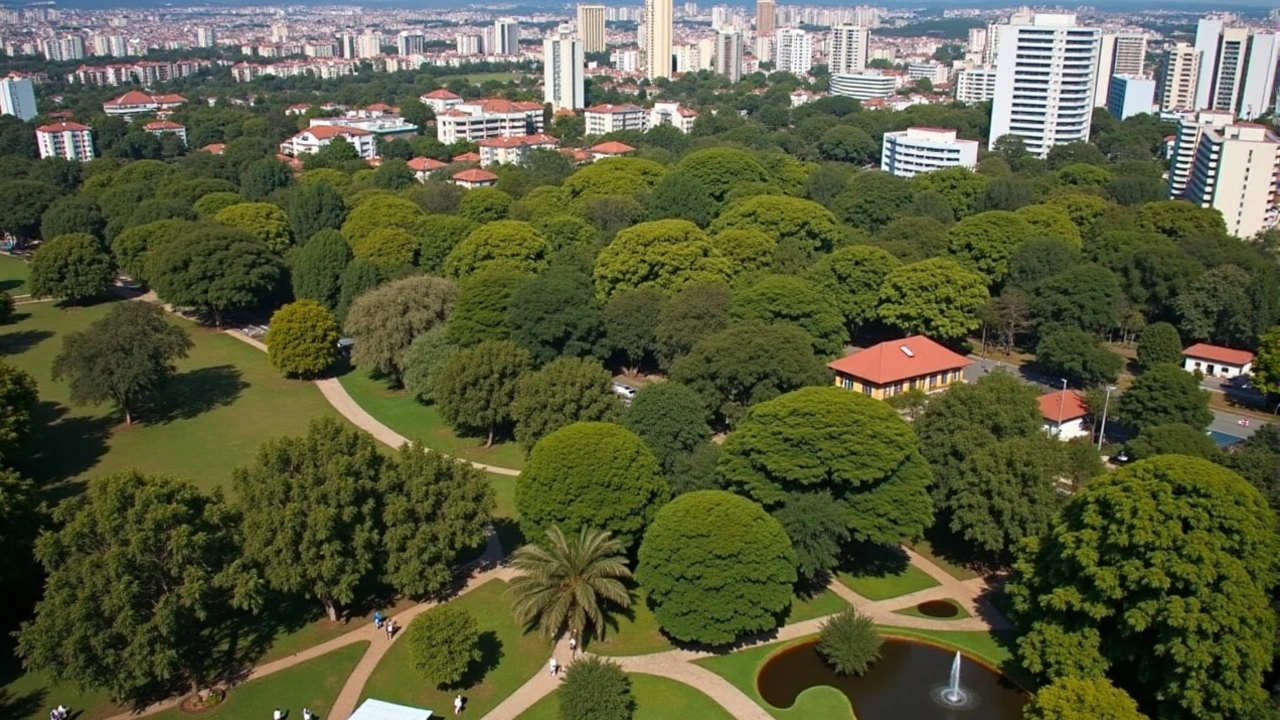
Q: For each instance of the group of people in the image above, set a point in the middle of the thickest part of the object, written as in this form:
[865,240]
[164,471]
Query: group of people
[385,624]
[279,714]
[60,713]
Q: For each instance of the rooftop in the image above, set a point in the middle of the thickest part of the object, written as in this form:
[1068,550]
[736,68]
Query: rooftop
[475,175]
[62,127]
[896,360]
[1217,353]
[1070,402]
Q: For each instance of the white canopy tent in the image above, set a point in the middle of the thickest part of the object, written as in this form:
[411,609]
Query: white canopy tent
[378,710]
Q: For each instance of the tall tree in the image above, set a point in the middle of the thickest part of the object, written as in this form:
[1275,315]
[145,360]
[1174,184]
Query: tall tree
[1266,364]
[1164,394]
[985,242]
[1077,356]
[1159,343]
[787,299]
[1006,493]
[556,314]
[311,512]
[477,385]
[71,267]
[215,269]
[263,220]
[302,339]
[671,419]
[570,583]
[698,311]
[317,268]
[18,399]
[1084,297]
[22,204]
[853,275]
[662,254]
[125,358]
[315,207]
[72,214]
[629,321]
[384,321]
[1082,699]
[935,297]
[483,306]
[562,392]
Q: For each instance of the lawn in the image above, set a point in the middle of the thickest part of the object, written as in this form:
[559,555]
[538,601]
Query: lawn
[925,549]
[639,634]
[657,698]
[882,586]
[480,78]
[314,684]
[511,658]
[741,668]
[400,412]
[13,275]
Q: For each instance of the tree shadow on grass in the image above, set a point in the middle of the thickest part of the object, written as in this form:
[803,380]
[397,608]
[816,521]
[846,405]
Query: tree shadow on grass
[510,536]
[245,637]
[491,654]
[20,706]
[950,547]
[871,560]
[194,393]
[20,341]
[6,286]
[62,447]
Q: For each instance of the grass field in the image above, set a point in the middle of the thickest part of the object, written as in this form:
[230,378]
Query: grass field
[480,78]
[412,419]
[955,570]
[13,275]
[656,698]
[884,586]
[314,684]
[741,668]
[510,658]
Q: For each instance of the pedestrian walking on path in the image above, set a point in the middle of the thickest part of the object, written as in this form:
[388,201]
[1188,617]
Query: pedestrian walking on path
[554,667]
[573,647]
[377,620]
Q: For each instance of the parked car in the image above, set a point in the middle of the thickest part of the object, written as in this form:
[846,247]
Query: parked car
[626,392]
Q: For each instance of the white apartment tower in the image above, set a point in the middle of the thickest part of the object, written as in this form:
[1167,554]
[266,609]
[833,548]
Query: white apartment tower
[916,150]
[506,37]
[657,38]
[1234,172]
[975,85]
[795,51]
[847,49]
[729,55]
[467,44]
[1185,142]
[1119,54]
[1179,73]
[1045,78]
[1237,70]
[591,28]
[562,64]
[17,98]
[206,37]
[68,140]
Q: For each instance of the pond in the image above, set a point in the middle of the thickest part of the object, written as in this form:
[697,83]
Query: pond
[938,609]
[901,684]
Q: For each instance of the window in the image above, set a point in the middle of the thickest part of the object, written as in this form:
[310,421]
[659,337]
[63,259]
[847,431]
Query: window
[846,383]
[933,381]
[866,389]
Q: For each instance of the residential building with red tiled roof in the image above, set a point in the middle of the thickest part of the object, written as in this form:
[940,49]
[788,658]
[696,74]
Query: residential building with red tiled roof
[513,150]
[135,103]
[1065,414]
[475,120]
[896,366]
[313,138]
[670,113]
[422,167]
[1217,361]
[612,148]
[468,157]
[604,119]
[214,148]
[165,127]
[440,100]
[299,109]
[474,178]
[68,140]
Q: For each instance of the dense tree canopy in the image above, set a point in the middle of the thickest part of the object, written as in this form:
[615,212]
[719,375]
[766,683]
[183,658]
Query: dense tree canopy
[71,267]
[1165,393]
[935,297]
[564,391]
[215,270]
[664,254]
[384,321]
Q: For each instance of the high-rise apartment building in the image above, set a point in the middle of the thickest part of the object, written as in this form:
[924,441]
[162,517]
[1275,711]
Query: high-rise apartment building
[657,38]
[348,45]
[1258,91]
[408,43]
[506,37]
[1237,71]
[847,49]
[591,28]
[1128,95]
[729,55]
[975,84]
[1178,76]
[1045,77]
[467,44]
[368,45]
[766,17]
[1118,54]
[562,64]
[68,140]
[1208,36]
[1230,168]
[795,51]
[17,98]
[916,150]
[206,37]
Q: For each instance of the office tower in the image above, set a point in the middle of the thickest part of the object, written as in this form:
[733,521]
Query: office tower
[206,37]
[408,43]
[369,45]
[915,150]
[591,28]
[795,51]
[1232,169]
[562,65]
[468,44]
[1178,75]
[506,37]
[657,38]
[1258,92]
[729,55]
[1118,55]
[1129,95]
[1045,74]
[17,98]
[766,17]
[1208,35]
[847,49]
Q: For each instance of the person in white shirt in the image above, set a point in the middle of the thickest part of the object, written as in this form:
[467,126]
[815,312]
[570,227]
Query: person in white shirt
[457,705]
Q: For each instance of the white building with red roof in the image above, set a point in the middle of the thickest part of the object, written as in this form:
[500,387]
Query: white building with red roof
[897,366]
[610,149]
[474,178]
[603,119]
[422,167]
[299,109]
[68,140]
[317,136]
[135,103]
[513,150]
[670,113]
[1217,361]
[1064,413]
[477,120]
[167,127]
[440,100]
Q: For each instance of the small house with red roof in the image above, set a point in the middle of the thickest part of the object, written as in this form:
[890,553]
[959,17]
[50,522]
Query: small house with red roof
[1217,361]
[424,166]
[440,100]
[474,178]
[167,127]
[317,136]
[610,149]
[468,157]
[512,150]
[897,366]
[1064,413]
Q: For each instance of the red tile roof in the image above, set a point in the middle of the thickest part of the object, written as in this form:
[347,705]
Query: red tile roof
[612,147]
[424,164]
[169,99]
[612,109]
[325,132]
[133,97]
[1217,353]
[502,106]
[888,362]
[163,125]
[467,157]
[518,141]
[1070,402]
[62,127]
[475,175]
[441,94]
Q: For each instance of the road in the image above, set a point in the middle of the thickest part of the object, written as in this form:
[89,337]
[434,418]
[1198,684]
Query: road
[1223,422]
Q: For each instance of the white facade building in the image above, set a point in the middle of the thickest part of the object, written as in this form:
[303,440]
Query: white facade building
[479,119]
[440,100]
[794,51]
[513,150]
[865,86]
[935,73]
[313,138]
[562,66]
[658,17]
[206,37]
[591,28]
[1185,141]
[1237,71]
[466,44]
[916,150]
[17,98]
[1130,96]
[975,85]
[1046,72]
[603,119]
[1234,171]
[506,37]
[1179,74]
[847,49]
[160,128]
[68,140]
[670,113]
[1118,54]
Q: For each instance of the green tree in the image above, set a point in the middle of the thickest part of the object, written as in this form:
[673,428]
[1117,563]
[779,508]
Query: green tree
[433,509]
[985,242]
[693,313]
[71,267]
[302,339]
[134,247]
[318,266]
[564,391]
[1216,307]
[384,321]
[1172,439]
[748,250]
[72,214]
[935,297]
[1051,221]
[1081,699]
[439,235]
[137,572]
[746,364]
[716,567]
[476,386]
[1159,344]
[22,205]
[671,419]
[266,222]
[380,211]
[483,306]
[215,270]
[871,199]
[388,248]
[1163,394]
[596,689]
[845,143]
[331,473]
[664,254]
[787,299]
[591,475]
[680,196]
[1266,363]
[509,244]
[315,207]
[612,177]
[393,174]
[569,583]
[19,526]
[629,321]
[857,451]
[18,399]
[556,314]
[1005,493]
[1179,219]
[1084,297]
[124,358]
[853,276]
[1038,259]
[849,642]
[209,205]
[263,177]
[1076,355]
[443,642]
[485,205]
[801,227]
[1168,557]
[721,169]
[423,362]
[962,188]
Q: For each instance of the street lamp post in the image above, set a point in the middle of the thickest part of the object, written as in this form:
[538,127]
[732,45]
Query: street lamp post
[1062,401]
[1102,432]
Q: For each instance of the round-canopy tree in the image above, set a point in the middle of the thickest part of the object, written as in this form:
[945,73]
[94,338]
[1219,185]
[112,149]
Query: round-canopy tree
[596,689]
[799,226]
[385,320]
[263,220]
[509,244]
[671,419]
[716,567]
[721,169]
[564,391]
[443,642]
[591,475]
[1082,699]
[302,339]
[215,269]
[1163,394]
[853,275]
[665,254]
[794,301]
[935,297]
[71,267]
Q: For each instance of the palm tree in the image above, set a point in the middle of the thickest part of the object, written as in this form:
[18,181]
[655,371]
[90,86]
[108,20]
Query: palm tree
[565,582]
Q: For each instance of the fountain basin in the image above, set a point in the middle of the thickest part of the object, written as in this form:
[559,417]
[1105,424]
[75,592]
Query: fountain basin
[907,682]
[944,609]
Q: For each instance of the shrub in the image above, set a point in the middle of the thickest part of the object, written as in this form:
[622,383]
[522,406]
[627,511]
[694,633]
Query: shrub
[596,689]
[849,642]
[443,642]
